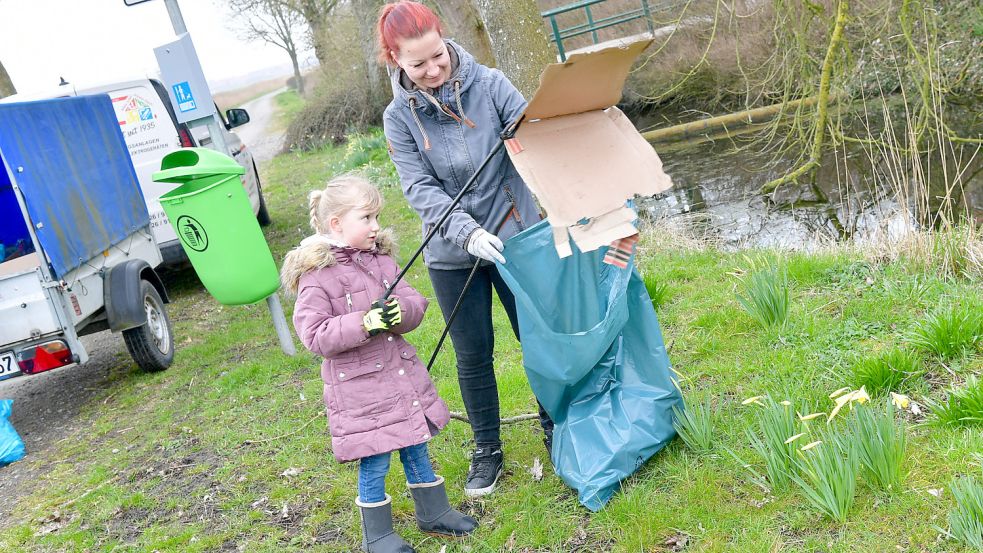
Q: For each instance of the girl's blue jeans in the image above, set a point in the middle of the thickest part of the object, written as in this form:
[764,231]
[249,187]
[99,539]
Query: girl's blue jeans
[372,471]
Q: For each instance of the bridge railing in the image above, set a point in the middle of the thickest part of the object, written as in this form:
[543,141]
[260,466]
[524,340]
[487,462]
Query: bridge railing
[591,25]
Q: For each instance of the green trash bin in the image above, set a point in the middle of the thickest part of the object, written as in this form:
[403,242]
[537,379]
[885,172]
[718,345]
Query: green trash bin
[211,215]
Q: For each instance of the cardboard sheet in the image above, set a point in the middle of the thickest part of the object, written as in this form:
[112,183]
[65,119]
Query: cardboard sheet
[580,155]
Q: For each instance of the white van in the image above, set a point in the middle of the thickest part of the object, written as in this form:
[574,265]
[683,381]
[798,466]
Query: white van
[151,130]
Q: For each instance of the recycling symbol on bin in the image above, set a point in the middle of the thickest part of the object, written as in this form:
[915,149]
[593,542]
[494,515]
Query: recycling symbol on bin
[192,233]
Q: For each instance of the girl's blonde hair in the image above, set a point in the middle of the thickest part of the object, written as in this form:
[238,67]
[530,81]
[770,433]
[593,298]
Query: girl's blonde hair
[341,195]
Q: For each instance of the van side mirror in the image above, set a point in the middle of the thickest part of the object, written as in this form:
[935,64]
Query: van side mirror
[237,117]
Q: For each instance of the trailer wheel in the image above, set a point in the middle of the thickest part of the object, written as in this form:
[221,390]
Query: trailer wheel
[151,344]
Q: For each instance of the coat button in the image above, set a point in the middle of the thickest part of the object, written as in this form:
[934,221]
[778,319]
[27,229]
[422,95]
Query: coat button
[390,338]
[341,375]
[416,403]
[426,436]
[401,372]
[378,365]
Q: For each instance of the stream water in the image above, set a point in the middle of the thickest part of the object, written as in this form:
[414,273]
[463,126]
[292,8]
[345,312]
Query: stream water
[850,197]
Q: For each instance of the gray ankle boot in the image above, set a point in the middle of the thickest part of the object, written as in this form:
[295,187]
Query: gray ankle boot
[378,535]
[434,513]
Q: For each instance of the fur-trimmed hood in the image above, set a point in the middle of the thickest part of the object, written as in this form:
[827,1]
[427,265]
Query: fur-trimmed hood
[312,255]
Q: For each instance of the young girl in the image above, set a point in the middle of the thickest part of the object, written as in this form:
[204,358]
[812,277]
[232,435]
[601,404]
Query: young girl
[378,394]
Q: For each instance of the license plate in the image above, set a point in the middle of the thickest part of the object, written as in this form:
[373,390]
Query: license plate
[8,365]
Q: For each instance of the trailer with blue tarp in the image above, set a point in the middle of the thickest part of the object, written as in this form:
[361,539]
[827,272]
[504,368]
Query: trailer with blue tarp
[76,252]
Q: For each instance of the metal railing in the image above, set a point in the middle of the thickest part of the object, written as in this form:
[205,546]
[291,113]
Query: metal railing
[591,25]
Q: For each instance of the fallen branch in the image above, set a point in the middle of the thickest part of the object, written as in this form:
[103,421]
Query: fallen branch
[273,439]
[508,420]
[822,105]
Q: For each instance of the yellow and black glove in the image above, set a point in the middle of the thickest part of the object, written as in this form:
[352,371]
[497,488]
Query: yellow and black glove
[382,316]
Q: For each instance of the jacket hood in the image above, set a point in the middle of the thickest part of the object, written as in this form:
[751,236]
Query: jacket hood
[464,73]
[312,255]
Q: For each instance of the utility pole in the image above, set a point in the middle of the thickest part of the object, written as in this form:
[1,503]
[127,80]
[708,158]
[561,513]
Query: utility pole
[214,122]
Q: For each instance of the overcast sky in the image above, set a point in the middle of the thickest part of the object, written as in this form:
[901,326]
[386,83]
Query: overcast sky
[88,41]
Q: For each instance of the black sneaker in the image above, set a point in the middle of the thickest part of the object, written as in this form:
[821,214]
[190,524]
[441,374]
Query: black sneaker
[486,467]
[548,442]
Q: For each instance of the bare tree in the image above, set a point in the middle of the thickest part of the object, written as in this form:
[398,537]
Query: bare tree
[518,40]
[274,22]
[6,85]
[315,14]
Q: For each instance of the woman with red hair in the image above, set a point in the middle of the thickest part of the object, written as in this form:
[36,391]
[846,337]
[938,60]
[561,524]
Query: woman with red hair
[446,116]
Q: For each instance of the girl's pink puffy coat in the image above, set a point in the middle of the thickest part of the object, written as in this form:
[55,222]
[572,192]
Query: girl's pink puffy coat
[379,396]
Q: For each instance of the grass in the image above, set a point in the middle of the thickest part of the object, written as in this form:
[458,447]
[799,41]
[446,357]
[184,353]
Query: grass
[880,442]
[161,461]
[962,407]
[827,475]
[949,330]
[766,297]
[966,519]
[886,371]
[694,424]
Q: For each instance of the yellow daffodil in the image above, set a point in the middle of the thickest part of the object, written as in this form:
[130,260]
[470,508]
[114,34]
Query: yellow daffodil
[838,393]
[755,400]
[810,416]
[796,437]
[900,401]
[807,447]
[860,396]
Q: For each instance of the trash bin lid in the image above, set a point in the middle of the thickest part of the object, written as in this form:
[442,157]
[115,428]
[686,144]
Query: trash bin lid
[194,163]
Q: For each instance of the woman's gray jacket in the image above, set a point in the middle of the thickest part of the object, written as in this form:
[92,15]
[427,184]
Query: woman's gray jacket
[432,177]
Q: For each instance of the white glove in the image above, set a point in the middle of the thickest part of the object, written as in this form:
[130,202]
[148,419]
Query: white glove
[485,245]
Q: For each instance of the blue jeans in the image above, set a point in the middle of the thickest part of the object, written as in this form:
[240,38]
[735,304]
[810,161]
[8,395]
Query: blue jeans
[372,471]
[473,336]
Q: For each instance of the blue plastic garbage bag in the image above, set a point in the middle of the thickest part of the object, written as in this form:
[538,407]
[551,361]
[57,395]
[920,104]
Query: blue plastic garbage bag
[595,357]
[11,446]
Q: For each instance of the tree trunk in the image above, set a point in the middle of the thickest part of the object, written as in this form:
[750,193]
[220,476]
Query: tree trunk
[518,40]
[315,13]
[6,85]
[466,28]
[378,91]
[297,76]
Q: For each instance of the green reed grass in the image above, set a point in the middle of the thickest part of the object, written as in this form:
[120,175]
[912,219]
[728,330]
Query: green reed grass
[827,475]
[658,291]
[949,330]
[963,407]
[966,519]
[880,441]
[766,297]
[694,424]
[776,423]
[886,371]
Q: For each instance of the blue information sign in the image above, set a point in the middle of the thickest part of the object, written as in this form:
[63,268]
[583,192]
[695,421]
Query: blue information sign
[182,94]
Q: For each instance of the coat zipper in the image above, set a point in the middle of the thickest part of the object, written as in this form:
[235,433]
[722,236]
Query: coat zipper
[348,298]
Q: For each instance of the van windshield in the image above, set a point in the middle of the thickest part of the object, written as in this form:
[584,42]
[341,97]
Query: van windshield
[15,239]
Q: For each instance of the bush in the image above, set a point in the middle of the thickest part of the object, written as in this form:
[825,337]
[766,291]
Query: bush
[766,297]
[329,117]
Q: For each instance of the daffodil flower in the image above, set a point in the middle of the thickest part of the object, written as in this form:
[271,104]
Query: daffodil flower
[861,396]
[793,438]
[810,416]
[755,399]
[786,402]
[900,401]
[807,447]
[838,393]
